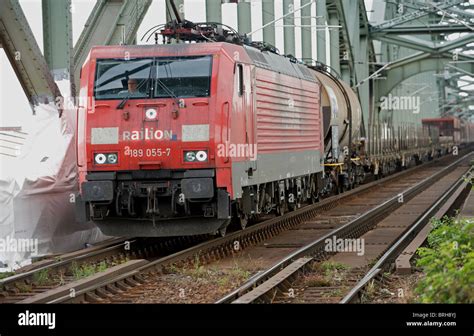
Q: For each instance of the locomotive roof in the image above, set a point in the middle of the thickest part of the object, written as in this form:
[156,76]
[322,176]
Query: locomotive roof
[262,59]
[278,63]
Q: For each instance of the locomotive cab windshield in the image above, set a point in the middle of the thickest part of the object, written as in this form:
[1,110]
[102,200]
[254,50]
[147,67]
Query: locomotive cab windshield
[159,77]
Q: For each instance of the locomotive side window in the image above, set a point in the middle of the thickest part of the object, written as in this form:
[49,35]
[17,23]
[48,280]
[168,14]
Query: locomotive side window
[117,79]
[240,73]
[183,76]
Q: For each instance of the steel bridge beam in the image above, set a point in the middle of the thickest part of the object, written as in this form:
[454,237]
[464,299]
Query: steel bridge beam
[169,11]
[110,22]
[462,41]
[24,54]
[420,29]
[462,13]
[411,66]
[425,46]
[409,42]
[424,10]
[57,37]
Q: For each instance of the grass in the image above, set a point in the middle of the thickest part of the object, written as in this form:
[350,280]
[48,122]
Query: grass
[172,269]
[223,281]
[239,272]
[24,288]
[4,275]
[42,277]
[316,281]
[87,270]
[333,266]
[328,273]
[369,292]
[223,278]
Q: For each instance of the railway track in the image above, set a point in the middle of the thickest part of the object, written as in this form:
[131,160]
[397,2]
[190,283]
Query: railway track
[207,271]
[46,275]
[376,277]
[345,276]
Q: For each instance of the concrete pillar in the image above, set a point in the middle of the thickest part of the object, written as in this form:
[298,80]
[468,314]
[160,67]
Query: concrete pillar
[334,39]
[213,11]
[320,33]
[289,29]
[268,15]
[306,43]
[244,17]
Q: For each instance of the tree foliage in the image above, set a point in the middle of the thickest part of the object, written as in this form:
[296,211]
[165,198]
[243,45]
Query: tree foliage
[448,262]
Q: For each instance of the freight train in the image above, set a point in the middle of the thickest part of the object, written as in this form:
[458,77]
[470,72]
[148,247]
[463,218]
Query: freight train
[449,131]
[181,138]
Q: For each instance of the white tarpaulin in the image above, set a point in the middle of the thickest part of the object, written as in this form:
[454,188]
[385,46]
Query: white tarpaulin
[36,192]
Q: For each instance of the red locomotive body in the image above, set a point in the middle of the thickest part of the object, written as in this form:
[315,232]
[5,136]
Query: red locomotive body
[178,139]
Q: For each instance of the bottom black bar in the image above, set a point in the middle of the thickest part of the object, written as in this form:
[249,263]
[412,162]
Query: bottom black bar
[63,319]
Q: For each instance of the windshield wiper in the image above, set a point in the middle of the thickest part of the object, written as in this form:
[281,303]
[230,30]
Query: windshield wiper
[167,90]
[121,105]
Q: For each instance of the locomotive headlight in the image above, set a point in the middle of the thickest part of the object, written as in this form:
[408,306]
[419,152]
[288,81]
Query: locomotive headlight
[201,156]
[112,158]
[105,158]
[100,158]
[151,114]
[189,156]
[195,156]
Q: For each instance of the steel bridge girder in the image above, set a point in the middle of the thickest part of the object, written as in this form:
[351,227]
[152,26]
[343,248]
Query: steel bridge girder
[25,55]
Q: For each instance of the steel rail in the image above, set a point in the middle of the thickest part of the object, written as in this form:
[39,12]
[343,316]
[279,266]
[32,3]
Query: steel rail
[316,248]
[394,250]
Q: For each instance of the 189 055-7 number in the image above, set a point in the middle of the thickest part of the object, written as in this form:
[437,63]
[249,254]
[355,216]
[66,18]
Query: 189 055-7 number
[147,152]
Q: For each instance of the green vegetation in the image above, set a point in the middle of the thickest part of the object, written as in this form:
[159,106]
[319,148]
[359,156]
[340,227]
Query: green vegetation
[325,274]
[448,263]
[42,277]
[333,266]
[23,287]
[316,281]
[86,270]
[232,276]
[4,275]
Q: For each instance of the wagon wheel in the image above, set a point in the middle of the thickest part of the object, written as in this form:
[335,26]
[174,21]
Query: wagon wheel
[314,198]
[223,229]
[294,206]
[243,220]
[282,208]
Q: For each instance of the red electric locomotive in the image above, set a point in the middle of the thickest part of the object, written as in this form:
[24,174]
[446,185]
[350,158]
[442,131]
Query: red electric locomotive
[177,139]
